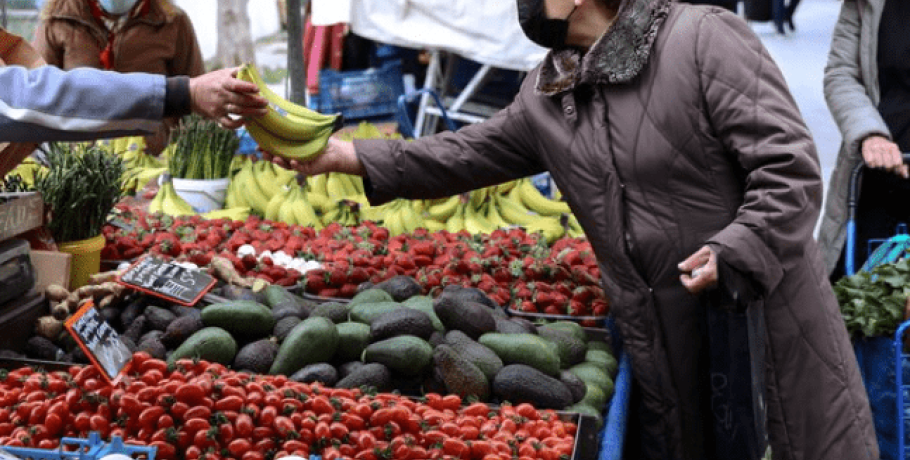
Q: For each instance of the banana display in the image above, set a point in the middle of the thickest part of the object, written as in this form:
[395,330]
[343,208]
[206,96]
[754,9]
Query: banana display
[167,201]
[255,183]
[288,129]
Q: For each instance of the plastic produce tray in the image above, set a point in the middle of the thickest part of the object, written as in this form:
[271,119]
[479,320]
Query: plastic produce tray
[360,94]
[92,448]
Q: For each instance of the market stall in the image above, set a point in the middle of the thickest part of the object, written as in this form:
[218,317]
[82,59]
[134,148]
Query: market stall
[485,32]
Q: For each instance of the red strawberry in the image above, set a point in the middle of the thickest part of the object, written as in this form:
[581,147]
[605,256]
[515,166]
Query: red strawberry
[315,280]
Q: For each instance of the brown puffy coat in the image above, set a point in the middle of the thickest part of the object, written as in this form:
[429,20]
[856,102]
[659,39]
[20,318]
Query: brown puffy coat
[161,42]
[675,130]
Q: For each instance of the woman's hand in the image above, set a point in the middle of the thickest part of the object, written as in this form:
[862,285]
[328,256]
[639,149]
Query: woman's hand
[699,271]
[879,152]
[339,156]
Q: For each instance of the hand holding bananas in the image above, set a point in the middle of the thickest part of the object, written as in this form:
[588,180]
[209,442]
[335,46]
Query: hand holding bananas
[218,95]
[287,129]
[338,156]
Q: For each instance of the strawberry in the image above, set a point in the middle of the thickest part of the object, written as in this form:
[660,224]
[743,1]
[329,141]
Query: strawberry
[110,252]
[286,281]
[359,275]
[249,262]
[200,258]
[348,290]
[315,280]
[423,248]
[328,292]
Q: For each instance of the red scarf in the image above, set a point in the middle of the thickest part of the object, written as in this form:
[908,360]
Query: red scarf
[107,54]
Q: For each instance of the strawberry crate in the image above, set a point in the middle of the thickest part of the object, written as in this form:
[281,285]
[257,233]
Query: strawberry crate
[360,94]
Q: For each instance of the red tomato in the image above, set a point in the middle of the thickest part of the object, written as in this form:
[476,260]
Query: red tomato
[190,393]
[243,426]
[239,446]
[233,402]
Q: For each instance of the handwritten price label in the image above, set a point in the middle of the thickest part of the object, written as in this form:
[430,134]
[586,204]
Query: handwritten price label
[181,285]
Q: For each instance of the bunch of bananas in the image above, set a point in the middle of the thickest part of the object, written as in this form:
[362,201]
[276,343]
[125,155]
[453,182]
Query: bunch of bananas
[26,170]
[167,201]
[287,129]
[255,183]
[295,209]
[400,216]
[344,212]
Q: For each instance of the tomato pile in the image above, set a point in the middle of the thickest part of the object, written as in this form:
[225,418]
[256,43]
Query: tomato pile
[201,410]
[514,268]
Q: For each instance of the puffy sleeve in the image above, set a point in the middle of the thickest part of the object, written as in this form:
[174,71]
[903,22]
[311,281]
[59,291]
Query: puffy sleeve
[759,123]
[447,163]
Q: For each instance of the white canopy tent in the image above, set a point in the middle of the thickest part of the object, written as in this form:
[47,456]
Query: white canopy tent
[482,31]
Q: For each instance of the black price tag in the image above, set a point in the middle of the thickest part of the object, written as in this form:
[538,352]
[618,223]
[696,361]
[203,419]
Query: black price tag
[181,285]
[100,342]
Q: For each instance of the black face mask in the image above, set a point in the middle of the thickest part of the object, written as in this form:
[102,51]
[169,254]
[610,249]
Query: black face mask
[546,32]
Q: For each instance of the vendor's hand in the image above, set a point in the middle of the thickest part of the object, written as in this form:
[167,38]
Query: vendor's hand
[221,96]
[879,152]
[339,156]
[699,271]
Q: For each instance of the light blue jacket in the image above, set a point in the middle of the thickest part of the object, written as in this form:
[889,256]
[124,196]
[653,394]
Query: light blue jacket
[48,104]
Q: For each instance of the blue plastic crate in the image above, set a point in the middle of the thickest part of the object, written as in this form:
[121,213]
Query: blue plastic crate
[92,448]
[360,94]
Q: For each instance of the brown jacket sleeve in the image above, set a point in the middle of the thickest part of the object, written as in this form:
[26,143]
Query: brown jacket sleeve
[479,155]
[45,44]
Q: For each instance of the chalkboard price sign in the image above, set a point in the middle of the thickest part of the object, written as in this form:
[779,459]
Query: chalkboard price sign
[100,342]
[181,285]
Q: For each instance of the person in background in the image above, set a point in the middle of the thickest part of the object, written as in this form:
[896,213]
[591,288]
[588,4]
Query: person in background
[150,36]
[675,141]
[867,88]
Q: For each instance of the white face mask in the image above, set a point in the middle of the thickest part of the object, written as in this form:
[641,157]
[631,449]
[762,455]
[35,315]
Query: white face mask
[117,7]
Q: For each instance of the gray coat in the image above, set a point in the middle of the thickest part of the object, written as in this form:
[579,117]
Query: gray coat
[852,93]
[675,130]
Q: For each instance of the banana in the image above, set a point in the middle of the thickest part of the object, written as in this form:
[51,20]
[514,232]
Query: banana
[393,219]
[574,229]
[275,203]
[318,201]
[266,178]
[535,201]
[171,203]
[278,144]
[334,185]
[410,217]
[249,73]
[514,212]
[442,210]
[240,213]
[304,214]
[434,225]
[549,226]
[286,209]
[455,223]
[492,212]
[478,197]
[475,222]
[249,189]
[506,187]
[233,198]
[316,184]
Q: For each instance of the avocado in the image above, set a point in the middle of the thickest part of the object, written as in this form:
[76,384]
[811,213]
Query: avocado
[529,349]
[518,383]
[464,294]
[400,287]
[284,326]
[284,312]
[256,357]
[568,326]
[460,375]
[576,386]
[373,375]
[404,354]
[353,338]
[401,321]
[278,297]
[571,349]
[586,410]
[180,311]
[347,368]
[242,318]
[604,358]
[181,329]
[596,396]
[158,318]
[153,346]
[212,344]
[324,373]
[335,311]
[314,340]
[232,292]
[131,311]
[593,373]
[366,312]
[530,327]
[433,383]
[480,355]
[600,345]
[425,304]
[437,338]
[472,318]
[507,326]
[371,295]
[111,315]
[38,347]
[135,328]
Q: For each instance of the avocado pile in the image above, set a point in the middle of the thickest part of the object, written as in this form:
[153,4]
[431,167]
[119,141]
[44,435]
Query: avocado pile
[388,337]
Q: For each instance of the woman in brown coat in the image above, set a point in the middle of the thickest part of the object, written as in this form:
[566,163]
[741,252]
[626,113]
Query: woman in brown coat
[673,136]
[151,36]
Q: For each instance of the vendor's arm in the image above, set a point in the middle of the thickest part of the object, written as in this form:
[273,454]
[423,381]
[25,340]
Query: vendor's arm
[759,123]
[48,104]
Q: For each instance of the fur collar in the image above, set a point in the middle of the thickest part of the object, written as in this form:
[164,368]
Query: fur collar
[616,57]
